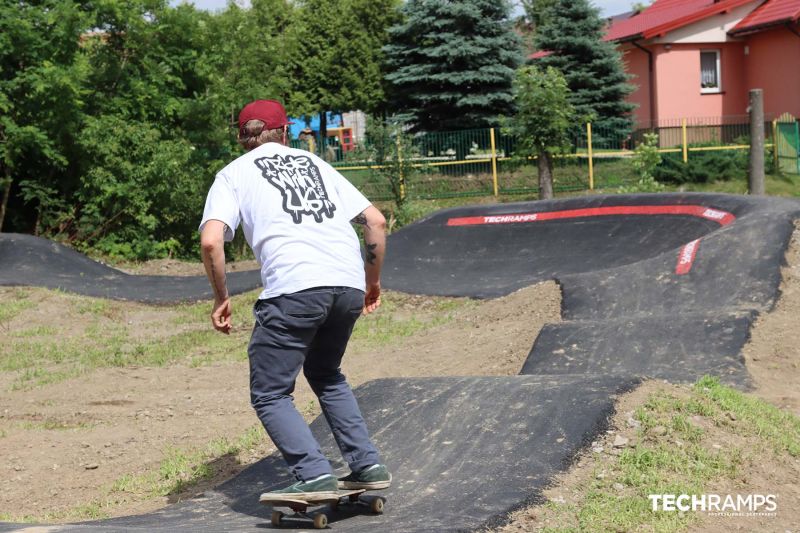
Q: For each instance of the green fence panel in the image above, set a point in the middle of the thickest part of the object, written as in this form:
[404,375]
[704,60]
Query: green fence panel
[787,144]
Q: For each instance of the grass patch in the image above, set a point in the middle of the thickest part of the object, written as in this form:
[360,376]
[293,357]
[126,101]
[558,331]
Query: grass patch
[675,455]
[11,309]
[45,353]
[397,318]
[182,469]
[774,185]
[179,471]
[58,425]
[90,511]
[103,336]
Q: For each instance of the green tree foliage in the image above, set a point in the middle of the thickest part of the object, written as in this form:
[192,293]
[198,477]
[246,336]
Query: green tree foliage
[451,64]
[336,65]
[137,194]
[140,177]
[536,11]
[638,7]
[393,155]
[593,68]
[116,114]
[543,119]
[245,57]
[41,97]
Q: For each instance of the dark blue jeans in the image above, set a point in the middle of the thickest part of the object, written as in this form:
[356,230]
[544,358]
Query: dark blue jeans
[308,330]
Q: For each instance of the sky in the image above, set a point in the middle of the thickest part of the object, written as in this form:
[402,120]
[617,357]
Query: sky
[607,7]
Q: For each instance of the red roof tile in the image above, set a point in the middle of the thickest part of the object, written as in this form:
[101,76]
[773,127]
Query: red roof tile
[768,14]
[667,15]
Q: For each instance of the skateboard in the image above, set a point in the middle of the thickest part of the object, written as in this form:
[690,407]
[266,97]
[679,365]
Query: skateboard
[319,518]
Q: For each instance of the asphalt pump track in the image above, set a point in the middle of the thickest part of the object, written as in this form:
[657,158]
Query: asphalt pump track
[654,286]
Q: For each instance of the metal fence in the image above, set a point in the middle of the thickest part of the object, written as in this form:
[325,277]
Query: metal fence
[786,134]
[483,162]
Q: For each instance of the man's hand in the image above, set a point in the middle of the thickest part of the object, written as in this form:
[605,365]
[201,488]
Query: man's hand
[372,299]
[221,316]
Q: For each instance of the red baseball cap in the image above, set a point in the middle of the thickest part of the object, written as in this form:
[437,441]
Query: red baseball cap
[270,112]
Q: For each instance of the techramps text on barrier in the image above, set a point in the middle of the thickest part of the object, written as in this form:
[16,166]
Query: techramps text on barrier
[663,286]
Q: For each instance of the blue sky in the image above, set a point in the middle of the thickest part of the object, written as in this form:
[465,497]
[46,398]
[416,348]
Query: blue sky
[607,7]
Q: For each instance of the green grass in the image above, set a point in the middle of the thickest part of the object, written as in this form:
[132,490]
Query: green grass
[389,324]
[11,309]
[58,425]
[680,462]
[774,185]
[181,469]
[103,337]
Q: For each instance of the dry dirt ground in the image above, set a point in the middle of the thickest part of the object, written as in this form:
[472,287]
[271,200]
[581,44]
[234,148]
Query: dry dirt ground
[63,445]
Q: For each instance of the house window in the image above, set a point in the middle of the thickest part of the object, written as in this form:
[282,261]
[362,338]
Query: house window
[710,74]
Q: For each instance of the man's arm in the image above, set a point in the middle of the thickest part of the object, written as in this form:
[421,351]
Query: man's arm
[212,247]
[375,243]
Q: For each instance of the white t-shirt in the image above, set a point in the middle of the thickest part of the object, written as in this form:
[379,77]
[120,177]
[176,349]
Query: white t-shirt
[295,210]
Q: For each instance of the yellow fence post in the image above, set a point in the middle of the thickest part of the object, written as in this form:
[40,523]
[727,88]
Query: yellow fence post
[400,169]
[494,161]
[685,144]
[775,145]
[591,162]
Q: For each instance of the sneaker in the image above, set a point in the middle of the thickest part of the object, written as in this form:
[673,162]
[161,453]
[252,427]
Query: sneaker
[322,487]
[371,478]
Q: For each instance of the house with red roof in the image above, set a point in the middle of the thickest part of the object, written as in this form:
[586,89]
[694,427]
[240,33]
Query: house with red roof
[700,58]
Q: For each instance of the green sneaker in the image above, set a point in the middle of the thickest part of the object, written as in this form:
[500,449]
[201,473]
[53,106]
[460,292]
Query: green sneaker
[322,487]
[371,478]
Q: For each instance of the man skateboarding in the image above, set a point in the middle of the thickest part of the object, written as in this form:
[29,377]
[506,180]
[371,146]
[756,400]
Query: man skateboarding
[296,211]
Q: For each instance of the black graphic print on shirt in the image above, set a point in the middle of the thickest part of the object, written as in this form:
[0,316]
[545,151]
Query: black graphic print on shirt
[301,185]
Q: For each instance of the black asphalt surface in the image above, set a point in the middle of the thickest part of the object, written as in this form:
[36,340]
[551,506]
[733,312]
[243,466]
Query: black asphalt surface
[33,261]
[664,286]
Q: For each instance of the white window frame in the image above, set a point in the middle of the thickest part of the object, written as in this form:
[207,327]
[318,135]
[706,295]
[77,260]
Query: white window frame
[718,88]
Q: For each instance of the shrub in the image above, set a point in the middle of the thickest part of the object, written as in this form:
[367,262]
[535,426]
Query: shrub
[645,160]
[703,167]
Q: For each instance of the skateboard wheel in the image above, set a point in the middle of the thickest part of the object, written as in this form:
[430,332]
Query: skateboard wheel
[376,505]
[276,518]
[320,521]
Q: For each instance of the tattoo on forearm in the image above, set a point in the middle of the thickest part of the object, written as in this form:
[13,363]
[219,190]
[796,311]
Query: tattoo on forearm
[361,218]
[371,256]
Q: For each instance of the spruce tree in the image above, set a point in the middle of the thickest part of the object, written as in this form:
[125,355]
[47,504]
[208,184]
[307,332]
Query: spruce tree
[451,64]
[573,33]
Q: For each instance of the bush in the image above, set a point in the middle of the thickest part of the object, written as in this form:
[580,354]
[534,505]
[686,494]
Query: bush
[703,167]
[645,160]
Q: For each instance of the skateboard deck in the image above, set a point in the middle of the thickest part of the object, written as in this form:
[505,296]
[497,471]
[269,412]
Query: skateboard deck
[320,519]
